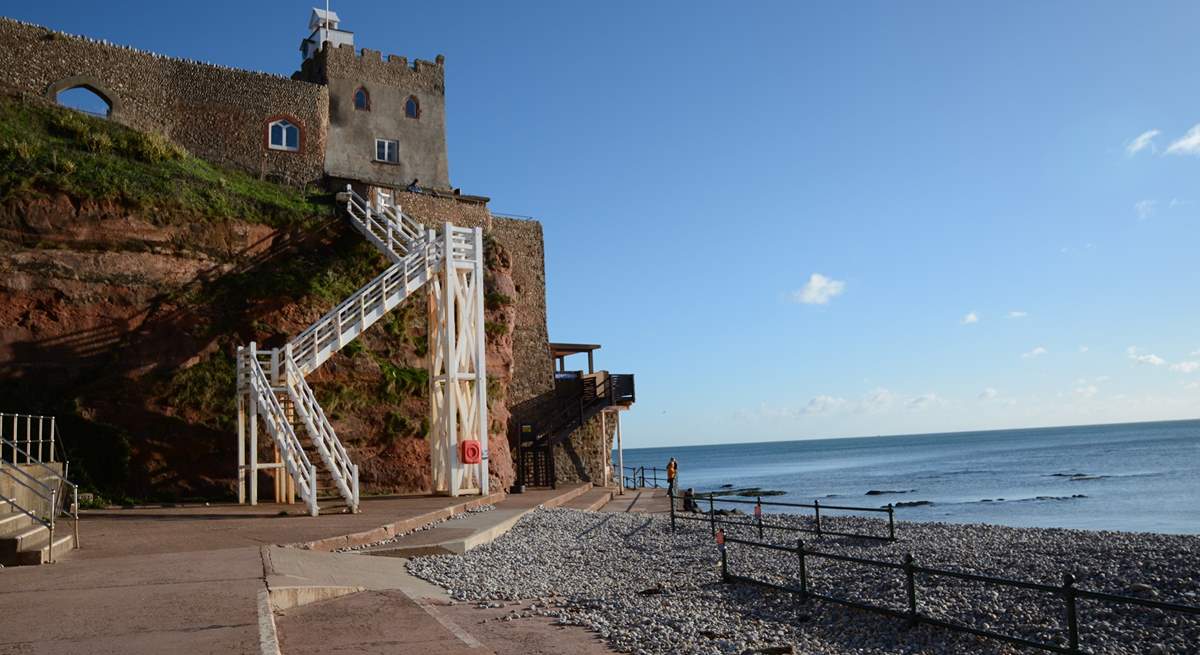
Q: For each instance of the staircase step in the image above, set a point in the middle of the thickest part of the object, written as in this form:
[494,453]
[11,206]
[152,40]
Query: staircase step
[17,539]
[13,521]
[38,552]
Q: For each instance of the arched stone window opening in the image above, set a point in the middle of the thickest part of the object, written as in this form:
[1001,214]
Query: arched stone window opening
[283,134]
[85,99]
[412,108]
[362,99]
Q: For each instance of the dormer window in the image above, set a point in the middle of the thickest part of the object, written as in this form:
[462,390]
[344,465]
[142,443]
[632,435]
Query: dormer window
[412,108]
[283,134]
[362,99]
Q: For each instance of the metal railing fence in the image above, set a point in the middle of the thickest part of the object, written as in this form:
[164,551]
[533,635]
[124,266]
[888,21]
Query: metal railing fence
[635,477]
[761,525]
[38,434]
[1069,594]
[49,495]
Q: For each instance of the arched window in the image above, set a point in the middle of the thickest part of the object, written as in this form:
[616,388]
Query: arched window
[86,100]
[362,99]
[283,134]
[412,108]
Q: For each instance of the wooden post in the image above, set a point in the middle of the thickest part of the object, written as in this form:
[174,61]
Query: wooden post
[252,360]
[241,428]
[276,478]
[620,455]
[481,381]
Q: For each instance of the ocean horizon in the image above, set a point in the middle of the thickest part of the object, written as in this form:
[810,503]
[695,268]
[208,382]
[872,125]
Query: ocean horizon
[1137,477]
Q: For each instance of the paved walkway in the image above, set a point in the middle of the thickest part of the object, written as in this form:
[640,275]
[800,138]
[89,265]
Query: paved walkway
[640,501]
[203,580]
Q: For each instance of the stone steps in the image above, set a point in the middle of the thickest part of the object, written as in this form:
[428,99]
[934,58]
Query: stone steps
[26,542]
[592,500]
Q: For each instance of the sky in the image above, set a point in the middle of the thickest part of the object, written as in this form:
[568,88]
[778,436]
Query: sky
[807,220]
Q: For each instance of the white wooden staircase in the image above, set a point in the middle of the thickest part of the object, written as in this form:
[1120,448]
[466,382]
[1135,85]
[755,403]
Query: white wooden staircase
[271,383]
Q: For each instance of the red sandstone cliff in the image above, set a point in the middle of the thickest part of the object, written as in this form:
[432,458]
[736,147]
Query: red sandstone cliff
[124,323]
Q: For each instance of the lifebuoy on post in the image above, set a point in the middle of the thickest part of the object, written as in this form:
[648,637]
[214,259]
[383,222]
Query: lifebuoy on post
[469,452]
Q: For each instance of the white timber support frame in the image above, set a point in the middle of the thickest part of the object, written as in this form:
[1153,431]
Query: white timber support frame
[457,365]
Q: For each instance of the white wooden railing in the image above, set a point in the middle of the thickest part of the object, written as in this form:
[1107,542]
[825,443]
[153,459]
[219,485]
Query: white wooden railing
[264,398]
[309,412]
[360,311]
[415,252]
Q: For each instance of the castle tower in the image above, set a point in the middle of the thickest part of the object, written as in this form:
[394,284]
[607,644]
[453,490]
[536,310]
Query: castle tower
[324,27]
[387,119]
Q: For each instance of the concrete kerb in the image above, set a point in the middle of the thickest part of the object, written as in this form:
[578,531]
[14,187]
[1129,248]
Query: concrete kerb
[399,527]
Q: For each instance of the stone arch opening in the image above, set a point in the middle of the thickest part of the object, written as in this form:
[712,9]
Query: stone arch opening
[86,94]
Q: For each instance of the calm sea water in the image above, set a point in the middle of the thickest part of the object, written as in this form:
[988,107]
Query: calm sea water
[1141,477]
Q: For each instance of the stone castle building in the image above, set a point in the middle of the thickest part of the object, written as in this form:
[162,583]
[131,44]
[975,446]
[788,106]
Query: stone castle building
[346,114]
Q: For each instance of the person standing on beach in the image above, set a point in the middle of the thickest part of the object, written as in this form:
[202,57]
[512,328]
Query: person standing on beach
[672,468]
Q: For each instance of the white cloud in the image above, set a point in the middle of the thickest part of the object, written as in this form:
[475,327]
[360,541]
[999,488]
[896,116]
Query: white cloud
[1144,208]
[1143,141]
[1083,349]
[819,290]
[1186,367]
[1188,144]
[970,318]
[824,404]
[1086,391]
[877,400]
[1176,202]
[1016,313]
[1036,352]
[1192,385]
[988,394]
[924,401]
[1196,353]
[1149,359]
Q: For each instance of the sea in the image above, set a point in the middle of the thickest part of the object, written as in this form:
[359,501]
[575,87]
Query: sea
[1138,477]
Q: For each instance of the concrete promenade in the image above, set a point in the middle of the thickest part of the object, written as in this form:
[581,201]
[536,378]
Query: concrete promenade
[212,579]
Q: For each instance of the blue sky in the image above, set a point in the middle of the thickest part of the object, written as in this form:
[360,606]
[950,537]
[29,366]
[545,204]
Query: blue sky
[797,220]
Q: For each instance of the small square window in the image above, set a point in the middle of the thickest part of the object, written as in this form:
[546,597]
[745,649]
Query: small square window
[387,150]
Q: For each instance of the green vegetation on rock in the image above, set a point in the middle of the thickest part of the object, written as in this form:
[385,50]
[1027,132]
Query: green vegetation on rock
[46,149]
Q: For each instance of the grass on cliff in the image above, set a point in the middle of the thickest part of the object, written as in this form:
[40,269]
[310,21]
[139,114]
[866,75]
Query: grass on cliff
[46,149]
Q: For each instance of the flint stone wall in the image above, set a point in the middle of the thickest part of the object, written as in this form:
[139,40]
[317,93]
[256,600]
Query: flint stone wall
[217,113]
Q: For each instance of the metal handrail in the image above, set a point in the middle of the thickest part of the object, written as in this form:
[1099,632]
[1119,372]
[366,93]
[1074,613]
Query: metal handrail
[710,517]
[52,494]
[51,438]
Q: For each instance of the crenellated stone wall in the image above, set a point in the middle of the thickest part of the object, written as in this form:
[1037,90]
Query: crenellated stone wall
[217,113]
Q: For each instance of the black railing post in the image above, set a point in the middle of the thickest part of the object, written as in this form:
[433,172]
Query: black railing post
[712,516]
[671,497]
[891,523]
[758,516]
[1072,619]
[910,587]
[817,512]
[803,571]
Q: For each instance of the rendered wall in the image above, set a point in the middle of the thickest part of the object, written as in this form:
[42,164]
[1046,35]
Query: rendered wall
[389,83]
[217,113]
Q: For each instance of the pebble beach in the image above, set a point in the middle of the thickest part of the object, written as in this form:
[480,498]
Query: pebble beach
[645,589]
